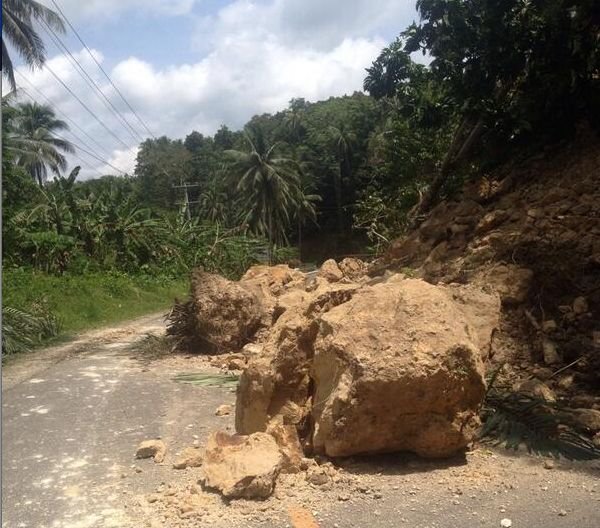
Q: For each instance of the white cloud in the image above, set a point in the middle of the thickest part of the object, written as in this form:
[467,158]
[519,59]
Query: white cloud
[86,9]
[257,57]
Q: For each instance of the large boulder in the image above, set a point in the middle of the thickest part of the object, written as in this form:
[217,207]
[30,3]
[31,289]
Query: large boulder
[226,315]
[242,466]
[278,383]
[395,365]
[399,367]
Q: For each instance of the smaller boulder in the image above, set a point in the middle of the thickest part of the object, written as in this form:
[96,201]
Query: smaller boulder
[580,305]
[537,389]
[223,410]
[156,449]
[353,268]
[287,439]
[331,271]
[588,419]
[236,364]
[551,356]
[189,457]
[242,466]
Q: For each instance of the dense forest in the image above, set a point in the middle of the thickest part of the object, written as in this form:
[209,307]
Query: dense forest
[316,179]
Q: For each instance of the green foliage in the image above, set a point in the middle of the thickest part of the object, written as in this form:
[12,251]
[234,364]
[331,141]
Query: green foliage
[21,331]
[18,18]
[546,428]
[208,379]
[86,301]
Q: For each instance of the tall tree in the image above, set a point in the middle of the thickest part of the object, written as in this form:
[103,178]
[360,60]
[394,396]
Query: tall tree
[18,17]
[34,143]
[268,186]
[343,141]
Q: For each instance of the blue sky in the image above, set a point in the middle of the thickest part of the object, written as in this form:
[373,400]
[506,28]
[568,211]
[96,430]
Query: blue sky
[197,64]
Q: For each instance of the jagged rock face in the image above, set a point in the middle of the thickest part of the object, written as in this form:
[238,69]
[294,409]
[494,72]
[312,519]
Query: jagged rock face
[398,367]
[242,466]
[227,315]
[365,369]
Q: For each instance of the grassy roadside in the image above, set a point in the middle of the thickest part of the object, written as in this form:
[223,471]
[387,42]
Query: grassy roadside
[91,300]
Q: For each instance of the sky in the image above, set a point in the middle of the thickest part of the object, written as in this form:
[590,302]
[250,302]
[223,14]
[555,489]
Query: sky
[188,65]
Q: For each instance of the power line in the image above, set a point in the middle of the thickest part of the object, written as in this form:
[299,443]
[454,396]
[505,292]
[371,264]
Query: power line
[89,152]
[85,106]
[102,69]
[92,154]
[61,112]
[22,89]
[90,81]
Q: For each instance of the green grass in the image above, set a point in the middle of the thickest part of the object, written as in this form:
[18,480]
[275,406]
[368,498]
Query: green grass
[91,300]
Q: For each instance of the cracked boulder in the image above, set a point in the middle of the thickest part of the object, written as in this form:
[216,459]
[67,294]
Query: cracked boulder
[399,367]
[242,466]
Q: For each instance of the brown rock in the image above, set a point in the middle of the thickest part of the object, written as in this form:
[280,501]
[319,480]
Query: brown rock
[317,475]
[353,268]
[241,466]
[588,419]
[331,271]
[189,457]
[549,326]
[287,439]
[580,305]
[156,449]
[223,410]
[227,315]
[551,356]
[538,389]
[236,364]
[510,281]
[394,372]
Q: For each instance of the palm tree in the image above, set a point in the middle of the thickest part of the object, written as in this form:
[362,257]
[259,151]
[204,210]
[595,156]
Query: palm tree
[268,186]
[343,141]
[33,141]
[17,26]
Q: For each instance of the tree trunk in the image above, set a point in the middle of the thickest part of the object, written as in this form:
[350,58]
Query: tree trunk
[450,160]
[338,199]
[270,229]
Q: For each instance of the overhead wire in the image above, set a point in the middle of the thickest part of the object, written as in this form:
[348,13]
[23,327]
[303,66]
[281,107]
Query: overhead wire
[102,70]
[62,114]
[86,107]
[61,46]
[89,151]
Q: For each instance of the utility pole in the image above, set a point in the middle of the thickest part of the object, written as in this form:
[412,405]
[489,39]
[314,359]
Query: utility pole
[186,197]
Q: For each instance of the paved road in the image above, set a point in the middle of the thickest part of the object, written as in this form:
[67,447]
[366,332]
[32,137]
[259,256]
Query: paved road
[70,428]
[72,417]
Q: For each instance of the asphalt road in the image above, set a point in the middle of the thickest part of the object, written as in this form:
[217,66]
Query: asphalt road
[72,417]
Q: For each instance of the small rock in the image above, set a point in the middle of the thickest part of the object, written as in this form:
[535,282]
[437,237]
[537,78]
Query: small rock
[242,466]
[137,469]
[596,440]
[331,271]
[551,356]
[236,364]
[538,389]
[156,449]
[224,410]
[506,523]
[344,497]
[580,305]
[565,382]
[588,419]
[549,326]
[317,476]
[562,513]
[548,464]
[151,498]
[190,457]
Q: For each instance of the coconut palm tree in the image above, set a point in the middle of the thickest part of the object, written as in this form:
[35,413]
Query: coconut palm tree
[343,142]
[18,17]
[268,186]
[33,142]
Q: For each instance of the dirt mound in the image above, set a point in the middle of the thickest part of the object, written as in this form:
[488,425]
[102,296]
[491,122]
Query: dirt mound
[531,231]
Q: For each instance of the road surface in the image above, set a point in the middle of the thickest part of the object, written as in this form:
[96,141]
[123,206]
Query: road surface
[73,415]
